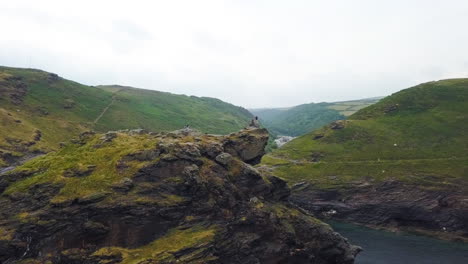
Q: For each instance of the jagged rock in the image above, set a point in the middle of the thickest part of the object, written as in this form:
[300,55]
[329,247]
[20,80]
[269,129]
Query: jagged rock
[184,206]
[81,171]
[37,135]
[188,151]
[124,185]
[224,158]
[318,136]
[95,228]
[248,145]
[87,134]
[109,136]
[29,143]
[191,171]
[52,77]
[143,155]
[14,88]
[92,198]
[138,131]
[212,149]
[280,191]
[12,176]
[339,124]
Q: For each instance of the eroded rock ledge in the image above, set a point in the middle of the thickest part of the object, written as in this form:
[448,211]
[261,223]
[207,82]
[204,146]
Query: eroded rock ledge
[392,205]
[158,198]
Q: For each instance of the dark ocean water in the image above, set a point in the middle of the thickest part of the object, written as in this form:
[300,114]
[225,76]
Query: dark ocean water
[382,247]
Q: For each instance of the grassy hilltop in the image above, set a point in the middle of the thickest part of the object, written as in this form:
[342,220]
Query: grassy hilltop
[418,135]
[38,110]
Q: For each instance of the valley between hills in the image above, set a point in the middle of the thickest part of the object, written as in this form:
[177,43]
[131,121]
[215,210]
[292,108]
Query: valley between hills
[108,174]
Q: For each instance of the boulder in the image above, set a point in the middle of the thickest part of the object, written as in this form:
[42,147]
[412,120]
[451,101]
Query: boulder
[248,145]
[339,124]
[224,158]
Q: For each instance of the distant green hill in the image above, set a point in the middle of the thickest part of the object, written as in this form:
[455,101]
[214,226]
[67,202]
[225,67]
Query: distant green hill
[164,111]
[417,135]
[301,119]
[38,110]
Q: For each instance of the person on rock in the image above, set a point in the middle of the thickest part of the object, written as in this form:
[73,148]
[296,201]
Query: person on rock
[254,123]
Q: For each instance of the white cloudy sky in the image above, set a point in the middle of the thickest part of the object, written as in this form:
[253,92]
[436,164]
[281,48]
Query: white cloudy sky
[247,52]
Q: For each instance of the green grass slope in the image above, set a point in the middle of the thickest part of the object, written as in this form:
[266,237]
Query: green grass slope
[38,110]
[417,135]
[165,111]
[301,119]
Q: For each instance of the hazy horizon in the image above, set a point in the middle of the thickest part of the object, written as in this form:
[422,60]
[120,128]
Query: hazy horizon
[255,54]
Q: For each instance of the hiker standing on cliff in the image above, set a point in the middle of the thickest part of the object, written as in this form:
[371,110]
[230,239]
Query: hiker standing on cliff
[254,122]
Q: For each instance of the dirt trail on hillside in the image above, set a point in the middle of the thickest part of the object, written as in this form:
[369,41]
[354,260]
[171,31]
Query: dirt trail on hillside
[107,108]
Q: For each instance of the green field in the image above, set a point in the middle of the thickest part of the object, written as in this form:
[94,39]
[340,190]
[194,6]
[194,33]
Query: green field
[348,108]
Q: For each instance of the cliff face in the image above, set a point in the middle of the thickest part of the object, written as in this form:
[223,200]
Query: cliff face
[136,197]
[393,205]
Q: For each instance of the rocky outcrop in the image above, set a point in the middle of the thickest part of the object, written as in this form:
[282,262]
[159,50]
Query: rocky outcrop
[248,145]
[158,198]
[393,205]
[13,89]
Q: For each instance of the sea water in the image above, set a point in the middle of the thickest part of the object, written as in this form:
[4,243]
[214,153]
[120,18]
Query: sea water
[383,247]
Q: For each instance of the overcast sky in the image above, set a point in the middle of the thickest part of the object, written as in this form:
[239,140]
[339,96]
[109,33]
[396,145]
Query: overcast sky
[251,53]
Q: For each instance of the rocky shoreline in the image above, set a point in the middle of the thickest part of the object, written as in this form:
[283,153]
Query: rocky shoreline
[391,206]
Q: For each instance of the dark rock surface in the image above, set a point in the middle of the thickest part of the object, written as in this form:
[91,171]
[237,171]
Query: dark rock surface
[392,205]
[13,88]
[248,145]
[189,201]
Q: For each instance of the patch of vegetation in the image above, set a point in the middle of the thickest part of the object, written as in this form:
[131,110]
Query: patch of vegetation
[59,167]
[417,135]
[6,234]
[427,173]
[162,249]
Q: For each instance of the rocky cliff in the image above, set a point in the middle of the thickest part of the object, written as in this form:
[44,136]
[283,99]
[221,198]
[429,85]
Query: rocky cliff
[137,197]
[391,205]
